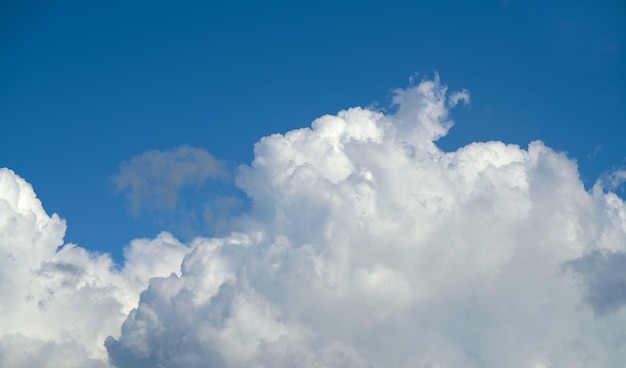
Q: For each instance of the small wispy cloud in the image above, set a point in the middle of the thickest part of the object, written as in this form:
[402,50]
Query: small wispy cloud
[155,178]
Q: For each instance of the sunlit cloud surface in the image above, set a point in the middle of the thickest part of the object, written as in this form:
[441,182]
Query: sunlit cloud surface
[366,246]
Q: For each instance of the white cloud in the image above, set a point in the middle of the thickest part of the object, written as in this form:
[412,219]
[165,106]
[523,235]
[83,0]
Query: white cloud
[612,180]
[156,177]
[58,304]
[367,246]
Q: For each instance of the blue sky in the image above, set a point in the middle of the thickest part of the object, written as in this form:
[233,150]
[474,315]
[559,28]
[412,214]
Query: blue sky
[278,184]
[85,86]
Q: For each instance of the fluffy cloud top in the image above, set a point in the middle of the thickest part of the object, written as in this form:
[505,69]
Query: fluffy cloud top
[367,246]
[58,304]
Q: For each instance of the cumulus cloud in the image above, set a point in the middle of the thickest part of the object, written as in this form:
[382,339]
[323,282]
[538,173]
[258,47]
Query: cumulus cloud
[59,302]
[156,177]
[366,246]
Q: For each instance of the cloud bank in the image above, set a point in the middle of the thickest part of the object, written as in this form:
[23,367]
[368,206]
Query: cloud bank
[366,246]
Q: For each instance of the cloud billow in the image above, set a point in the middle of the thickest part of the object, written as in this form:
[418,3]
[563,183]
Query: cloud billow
[366,246]
[59,302]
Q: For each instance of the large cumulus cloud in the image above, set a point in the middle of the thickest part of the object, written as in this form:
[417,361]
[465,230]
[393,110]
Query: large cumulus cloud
[368,246]
[59,302]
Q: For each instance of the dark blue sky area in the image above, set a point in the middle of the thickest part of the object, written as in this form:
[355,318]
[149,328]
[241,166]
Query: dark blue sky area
[87,85]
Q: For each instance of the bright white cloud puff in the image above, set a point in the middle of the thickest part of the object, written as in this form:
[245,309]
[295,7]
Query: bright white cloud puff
[367,246]
[59,304]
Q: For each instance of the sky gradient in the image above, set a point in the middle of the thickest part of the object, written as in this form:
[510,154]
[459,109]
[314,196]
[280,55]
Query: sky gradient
[88,86]
[346,151]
